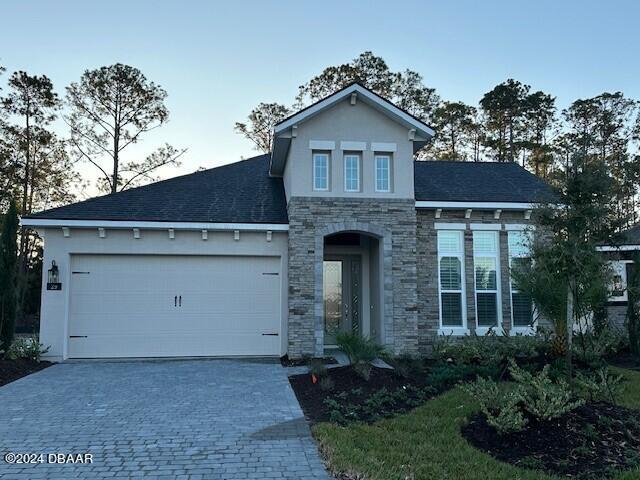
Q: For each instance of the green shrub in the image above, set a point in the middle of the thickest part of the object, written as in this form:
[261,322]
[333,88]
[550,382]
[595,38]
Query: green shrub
[500,408]
[490,348]
[600,386]
[591,348]
[447,375]
[542,397]
[26,348]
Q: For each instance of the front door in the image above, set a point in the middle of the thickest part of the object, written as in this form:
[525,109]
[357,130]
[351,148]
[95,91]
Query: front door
[342,296]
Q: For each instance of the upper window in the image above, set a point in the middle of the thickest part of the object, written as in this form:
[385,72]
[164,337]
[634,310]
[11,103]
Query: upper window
[618,288]
[486,268]
[519,257]
[451,279]
[383,173]
[321,171]
[351,173]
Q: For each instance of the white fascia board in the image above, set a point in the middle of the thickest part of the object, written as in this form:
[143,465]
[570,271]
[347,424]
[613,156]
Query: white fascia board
[619,248]
[475,205]
[116,224]
[383,147]
[449,226]
[372,97]
[485,226]
[355,146]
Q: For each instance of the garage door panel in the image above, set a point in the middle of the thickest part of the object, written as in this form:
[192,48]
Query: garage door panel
[123,306]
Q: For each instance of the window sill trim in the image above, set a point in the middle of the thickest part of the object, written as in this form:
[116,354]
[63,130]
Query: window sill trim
[455,331]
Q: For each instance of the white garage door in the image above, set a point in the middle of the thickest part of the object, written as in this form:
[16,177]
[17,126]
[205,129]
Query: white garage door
[163,306]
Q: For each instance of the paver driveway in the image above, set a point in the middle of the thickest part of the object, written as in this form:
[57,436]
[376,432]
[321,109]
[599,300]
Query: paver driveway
[219,419]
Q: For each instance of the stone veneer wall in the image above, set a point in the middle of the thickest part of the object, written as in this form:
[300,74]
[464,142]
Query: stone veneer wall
[427,254]
[310,219]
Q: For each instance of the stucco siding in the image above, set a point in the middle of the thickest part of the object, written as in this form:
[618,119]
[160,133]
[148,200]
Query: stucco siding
[349,123]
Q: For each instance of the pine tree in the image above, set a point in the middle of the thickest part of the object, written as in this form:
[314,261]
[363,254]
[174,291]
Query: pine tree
[8,263]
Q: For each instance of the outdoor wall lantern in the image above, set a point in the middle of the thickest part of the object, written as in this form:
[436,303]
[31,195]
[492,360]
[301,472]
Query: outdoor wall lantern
[53,282]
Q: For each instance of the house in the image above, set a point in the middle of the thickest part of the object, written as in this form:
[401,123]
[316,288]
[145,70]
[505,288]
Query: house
[339,229]
[621,259]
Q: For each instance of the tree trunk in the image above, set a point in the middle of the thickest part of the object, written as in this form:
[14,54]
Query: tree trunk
[570,318]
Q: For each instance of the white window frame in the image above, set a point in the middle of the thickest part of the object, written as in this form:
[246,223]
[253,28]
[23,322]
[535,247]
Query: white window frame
[316,156]
[448,329]
[375,166]
[358,157]
[480,329]
[519,329]
[625,280]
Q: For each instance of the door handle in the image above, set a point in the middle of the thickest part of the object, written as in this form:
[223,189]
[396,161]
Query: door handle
[175,301]
[180,301]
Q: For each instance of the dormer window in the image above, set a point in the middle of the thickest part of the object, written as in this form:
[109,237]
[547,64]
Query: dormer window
[383,173]
[351,172]
[320,171]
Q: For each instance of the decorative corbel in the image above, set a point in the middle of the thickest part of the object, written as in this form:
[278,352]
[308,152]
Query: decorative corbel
[496,214]
[136,233]
[438,212]
[205,234]
[102,233]
[269,235]
[467,213]
[66,232]
[172,234]
[236,235]
[354,98]
[527,214]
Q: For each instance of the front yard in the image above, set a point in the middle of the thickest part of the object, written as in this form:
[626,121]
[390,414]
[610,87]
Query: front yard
[427,443]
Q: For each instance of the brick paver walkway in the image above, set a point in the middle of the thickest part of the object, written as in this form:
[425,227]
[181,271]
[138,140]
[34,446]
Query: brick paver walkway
[198,419]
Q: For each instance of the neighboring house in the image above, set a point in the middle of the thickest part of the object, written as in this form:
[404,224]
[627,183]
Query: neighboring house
[338,230]
[621,261]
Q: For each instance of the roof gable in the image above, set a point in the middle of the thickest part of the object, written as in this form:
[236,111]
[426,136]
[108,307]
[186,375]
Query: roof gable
[283,131]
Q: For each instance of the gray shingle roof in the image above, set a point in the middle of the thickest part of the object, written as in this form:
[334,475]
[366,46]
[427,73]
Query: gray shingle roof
[240,192]
[631,236]
[243,192]
[478,182]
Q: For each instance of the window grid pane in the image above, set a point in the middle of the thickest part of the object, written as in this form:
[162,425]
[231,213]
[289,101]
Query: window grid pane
[486,273]
[450,273]
[450,270]
[451,309]
[521,303]
[522,308]
[486,264]
[487,306]
[382,174]
[351,173]
[320,172]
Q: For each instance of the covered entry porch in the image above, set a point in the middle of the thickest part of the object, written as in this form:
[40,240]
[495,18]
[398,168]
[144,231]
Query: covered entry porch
[353,289]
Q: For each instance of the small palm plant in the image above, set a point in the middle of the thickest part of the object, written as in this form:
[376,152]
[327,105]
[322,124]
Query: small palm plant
[360,350]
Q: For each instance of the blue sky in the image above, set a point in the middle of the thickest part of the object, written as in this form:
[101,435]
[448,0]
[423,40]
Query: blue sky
[219,59]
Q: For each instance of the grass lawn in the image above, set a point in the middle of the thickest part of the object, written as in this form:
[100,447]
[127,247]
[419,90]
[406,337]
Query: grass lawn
[426,444]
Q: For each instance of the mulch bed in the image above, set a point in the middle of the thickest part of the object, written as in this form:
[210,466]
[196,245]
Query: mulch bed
[11,370]
[594,441]
[303,362]
[349,388]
